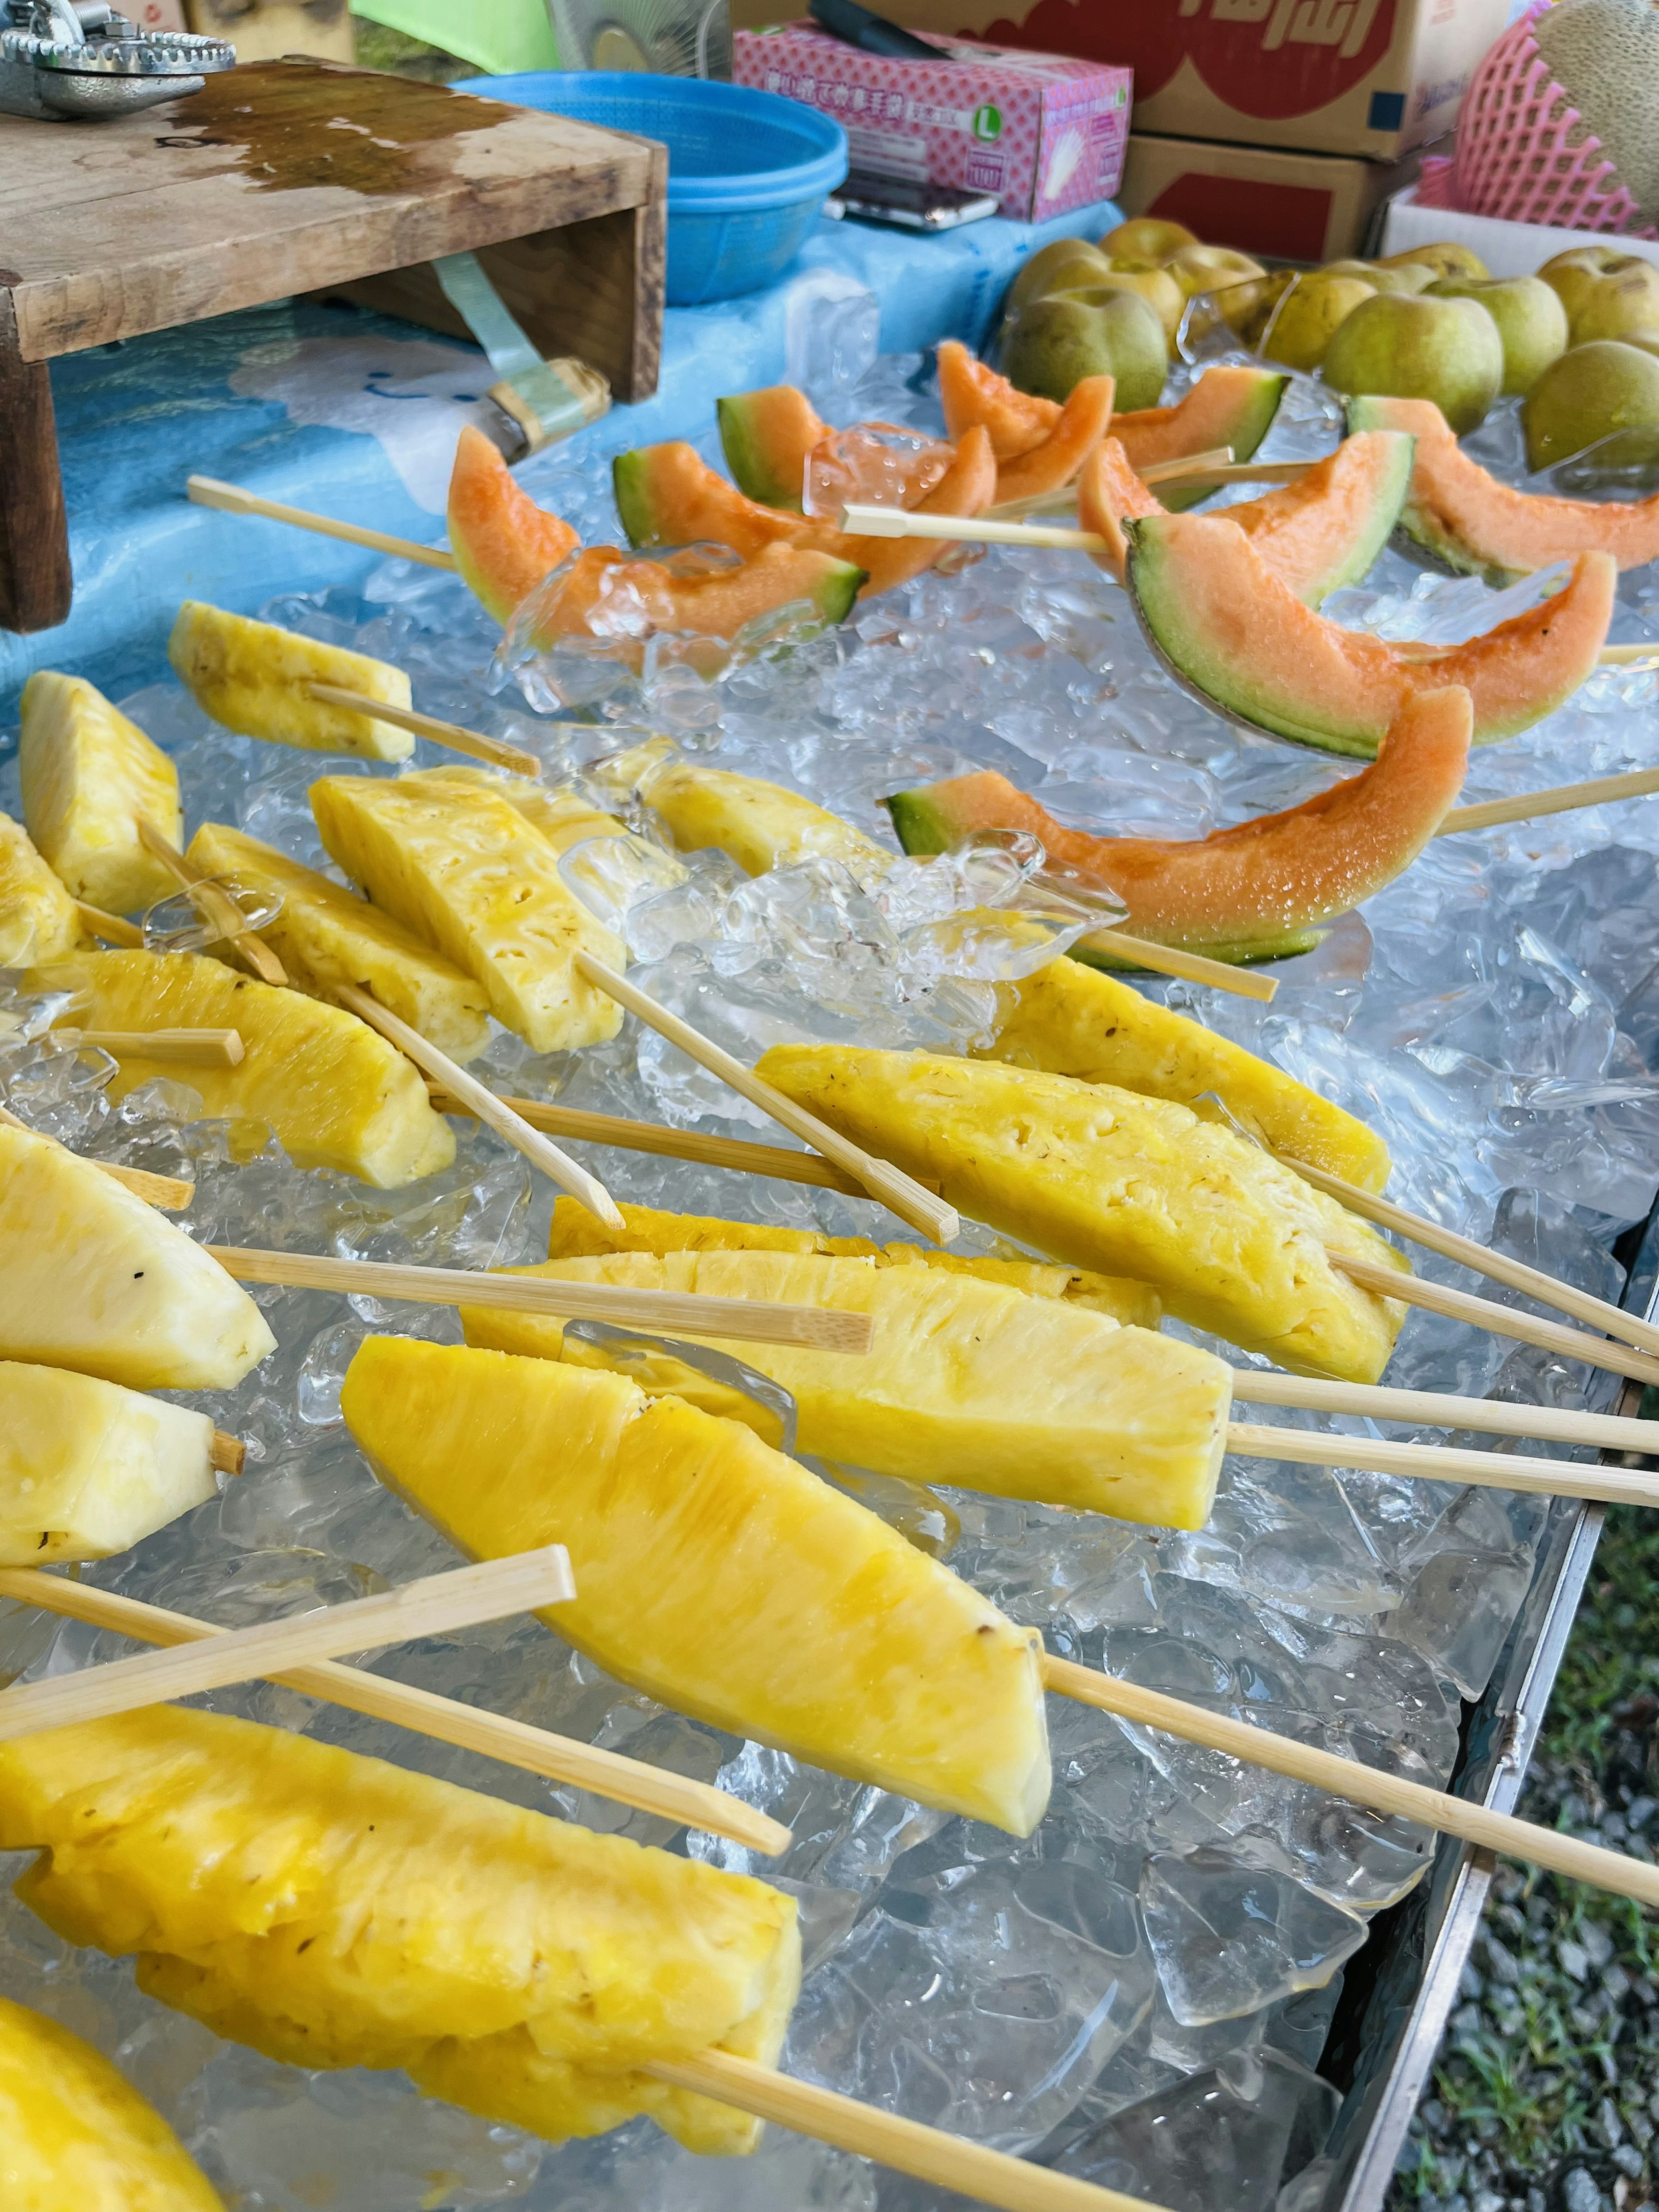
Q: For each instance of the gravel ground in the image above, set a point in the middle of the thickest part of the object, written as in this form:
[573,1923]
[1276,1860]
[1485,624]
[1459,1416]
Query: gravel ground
[1545,2094]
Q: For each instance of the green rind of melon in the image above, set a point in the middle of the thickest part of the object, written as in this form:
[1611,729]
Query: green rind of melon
[1390,495]
[1250,424]
[838,589]
[478,579]
[753,469]
[634,493]
[923,825]
[1417,533]
[1217,683]
[1234,953]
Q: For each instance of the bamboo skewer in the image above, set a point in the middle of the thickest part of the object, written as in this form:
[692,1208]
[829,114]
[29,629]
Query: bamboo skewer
[949,2162]
[654,1790]
[216,907]
[1488,1470]
[899,1192]
[209,491]
[968,530]
[166,1192]
[495,750]
[461,1599]
[657,1138]
[1514,1274]
[1191,967]
[540,1151]
[1499,1321]
[1626,656]
[169,1047]
[1564,798]
[111,928]
[1362,1785]
[1253,1386]
[227,1454]
[683,1313]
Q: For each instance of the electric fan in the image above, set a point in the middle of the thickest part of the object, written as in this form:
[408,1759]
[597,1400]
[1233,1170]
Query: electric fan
[673,37]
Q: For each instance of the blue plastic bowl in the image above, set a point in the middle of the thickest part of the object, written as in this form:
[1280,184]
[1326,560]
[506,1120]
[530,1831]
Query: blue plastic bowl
[732,229]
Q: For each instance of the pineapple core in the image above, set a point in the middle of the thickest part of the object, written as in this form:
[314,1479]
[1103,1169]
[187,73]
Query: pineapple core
[89,776]
[74,2137]
[716,1575]
[38,920]
[966,1382]
[88,1470]
[332,1911]
[1233,1241]
[92,1279]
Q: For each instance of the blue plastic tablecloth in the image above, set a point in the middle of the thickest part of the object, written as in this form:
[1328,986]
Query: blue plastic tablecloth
[356,414]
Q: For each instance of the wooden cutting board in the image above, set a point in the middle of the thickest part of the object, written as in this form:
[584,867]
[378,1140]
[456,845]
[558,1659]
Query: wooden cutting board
[300,176]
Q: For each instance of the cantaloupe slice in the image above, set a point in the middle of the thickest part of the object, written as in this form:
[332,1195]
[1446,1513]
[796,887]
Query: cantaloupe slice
[1254,889]
[1235,633]
[1466,521]
[89,776]
[668,495]
[93,1279]
[766,437]
[1077,434]
[504,544]
[715,1574]
[972,392]
[1320,533]
[1231,407]
[621,598]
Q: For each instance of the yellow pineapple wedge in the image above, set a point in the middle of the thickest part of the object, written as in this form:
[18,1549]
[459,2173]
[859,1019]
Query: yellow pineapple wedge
[38,920]
[564,817]
[463,870]
[76,2137]
[326,936]
[90,777]
[88,1470]
[966,1382]
[333,1912]
[1234,1242]
[254,677]
[716,1575]
[93,1279]
[1066,1018]
[336,1094]
[576,1234]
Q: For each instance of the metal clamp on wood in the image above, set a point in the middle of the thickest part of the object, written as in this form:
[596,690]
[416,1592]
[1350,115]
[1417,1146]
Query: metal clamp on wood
[545,399]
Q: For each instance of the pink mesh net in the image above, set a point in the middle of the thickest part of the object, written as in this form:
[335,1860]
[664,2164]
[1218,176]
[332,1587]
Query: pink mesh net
[1516,158]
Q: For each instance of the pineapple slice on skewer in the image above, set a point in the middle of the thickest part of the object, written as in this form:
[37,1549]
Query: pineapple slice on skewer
[1066,1018]
[90,777]
[255,679]
[326,936]
[716,1575]
[575,1234]
[88,1470]
[38,917]
[335,1911]
[334,1092]
[1234,1242]
[463,870]
[564,817]
[92,1279]
[966,1382]
[75,2136]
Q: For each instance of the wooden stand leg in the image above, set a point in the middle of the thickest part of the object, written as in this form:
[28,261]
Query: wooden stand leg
[35,584]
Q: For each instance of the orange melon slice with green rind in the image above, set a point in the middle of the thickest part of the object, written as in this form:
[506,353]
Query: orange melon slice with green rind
[1233,632]
[504,544]
[1244,892]
[1232,407]
[1050,466]
[1466,521]
[973,394]
[719,604]
[767,436]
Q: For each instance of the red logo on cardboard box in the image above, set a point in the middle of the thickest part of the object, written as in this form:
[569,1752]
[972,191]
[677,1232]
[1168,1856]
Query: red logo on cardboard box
[1270,58]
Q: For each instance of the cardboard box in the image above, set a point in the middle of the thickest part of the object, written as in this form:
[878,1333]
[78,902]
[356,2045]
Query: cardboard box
[1372,77]
[1300,207]
[1508,249]
[1044,133]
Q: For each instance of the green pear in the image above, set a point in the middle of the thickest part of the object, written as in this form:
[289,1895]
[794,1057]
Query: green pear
[1308,315]
[1447,350]
[1410,277]
[1066,261]
[1445,257]
[1571,274]
[1146,238]
[1625,297]
[1586,395]
[1156,286]
[1052,343]
[1211,269]
[1530,319]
